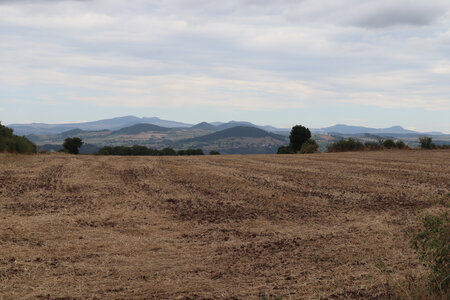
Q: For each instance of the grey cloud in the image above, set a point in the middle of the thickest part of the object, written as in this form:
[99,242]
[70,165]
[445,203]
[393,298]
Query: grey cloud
[400,14]
[369,13]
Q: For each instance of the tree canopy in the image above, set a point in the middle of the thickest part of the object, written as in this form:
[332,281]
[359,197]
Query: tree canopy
[72,145]
[299,135]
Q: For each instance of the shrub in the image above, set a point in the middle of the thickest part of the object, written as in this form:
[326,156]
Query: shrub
[310,146]
[426,142]
[373,146]
[433,246]
[400,144]
[190,152]
[213,152]
[345,145]
[63,150]
[299,135]
[389,144]
[285,150]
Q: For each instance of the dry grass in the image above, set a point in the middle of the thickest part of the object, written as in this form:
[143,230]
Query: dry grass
[316,226]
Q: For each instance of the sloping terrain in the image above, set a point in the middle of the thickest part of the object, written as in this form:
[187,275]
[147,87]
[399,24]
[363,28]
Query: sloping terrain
[320,226]
[140,128]
[205,125]
[238,131]
[236,140]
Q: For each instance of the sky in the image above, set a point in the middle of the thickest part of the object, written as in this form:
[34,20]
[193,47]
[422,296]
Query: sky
[374,63]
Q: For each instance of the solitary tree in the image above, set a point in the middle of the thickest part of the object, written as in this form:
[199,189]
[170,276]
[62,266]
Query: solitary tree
[299,135]
[72,145]
[426,142]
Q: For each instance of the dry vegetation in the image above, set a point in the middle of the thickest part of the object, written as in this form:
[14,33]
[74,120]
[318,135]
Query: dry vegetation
[316,226]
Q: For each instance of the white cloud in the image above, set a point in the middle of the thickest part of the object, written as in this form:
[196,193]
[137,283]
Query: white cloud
[441,67]
[248,55]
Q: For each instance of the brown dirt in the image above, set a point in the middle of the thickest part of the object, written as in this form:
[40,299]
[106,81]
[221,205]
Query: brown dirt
[322,226]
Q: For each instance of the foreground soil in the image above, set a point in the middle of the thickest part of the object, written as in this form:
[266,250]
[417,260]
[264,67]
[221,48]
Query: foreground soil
[331,225]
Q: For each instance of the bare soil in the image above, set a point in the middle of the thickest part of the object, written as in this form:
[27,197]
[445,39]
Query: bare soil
[321,226]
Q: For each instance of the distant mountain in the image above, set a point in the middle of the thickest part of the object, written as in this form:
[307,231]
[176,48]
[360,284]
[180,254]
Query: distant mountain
[347,129]
[232,124]
[204,125]
[118,123]
[139,128]
[235,140]
[110,124]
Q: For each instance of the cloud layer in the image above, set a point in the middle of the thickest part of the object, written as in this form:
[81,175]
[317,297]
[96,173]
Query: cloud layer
[243,55]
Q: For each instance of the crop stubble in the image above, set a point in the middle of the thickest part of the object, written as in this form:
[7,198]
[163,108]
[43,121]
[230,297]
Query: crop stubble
[331,225]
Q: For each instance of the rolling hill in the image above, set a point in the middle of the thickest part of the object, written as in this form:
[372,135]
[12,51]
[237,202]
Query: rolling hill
[204,125]
[140,128]
[236,140]
[236,132]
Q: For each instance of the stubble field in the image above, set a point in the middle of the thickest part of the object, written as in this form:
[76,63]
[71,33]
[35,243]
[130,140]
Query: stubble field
[328,225]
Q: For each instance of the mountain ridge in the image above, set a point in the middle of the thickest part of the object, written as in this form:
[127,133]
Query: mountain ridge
[117,123]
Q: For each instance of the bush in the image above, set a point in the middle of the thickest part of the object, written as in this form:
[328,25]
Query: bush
[213,152]
[373,146]
[426,142]
[310,146]
[389,144]
[400,144]
[433,246]
[299,135]
[285,150]
[190,152]
[345,145]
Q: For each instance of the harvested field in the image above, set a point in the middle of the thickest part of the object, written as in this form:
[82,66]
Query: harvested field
[329,225]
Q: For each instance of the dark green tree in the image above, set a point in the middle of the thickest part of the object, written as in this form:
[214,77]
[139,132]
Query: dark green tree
[72,144]
[389,144]
[426,142]
[400,144]
[299,135]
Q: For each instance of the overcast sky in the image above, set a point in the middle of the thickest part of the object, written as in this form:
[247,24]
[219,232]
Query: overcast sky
[374,63]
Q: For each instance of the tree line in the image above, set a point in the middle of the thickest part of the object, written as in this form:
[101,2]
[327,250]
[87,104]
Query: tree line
[142,150]
[301,142]
[71,146]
